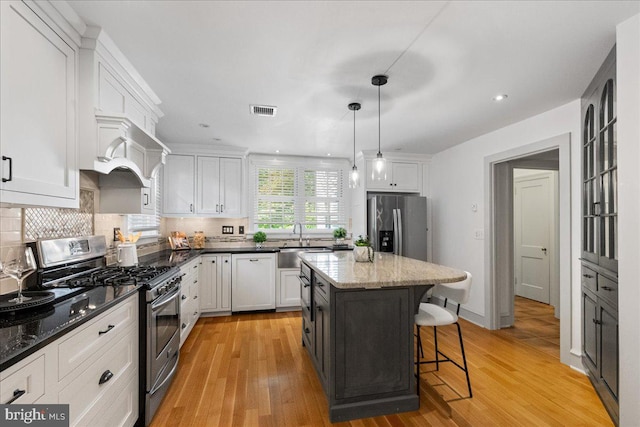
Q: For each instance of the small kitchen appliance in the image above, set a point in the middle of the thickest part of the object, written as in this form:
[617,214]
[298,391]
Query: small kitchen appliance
[127,254]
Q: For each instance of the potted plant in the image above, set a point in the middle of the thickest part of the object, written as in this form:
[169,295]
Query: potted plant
[362,250]
[339,234]
[259,237]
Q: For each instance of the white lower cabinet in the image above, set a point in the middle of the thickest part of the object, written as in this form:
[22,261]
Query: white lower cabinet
[253,286]
[26,382]
[99,381]
[215,283]
[288,288]
[189,298]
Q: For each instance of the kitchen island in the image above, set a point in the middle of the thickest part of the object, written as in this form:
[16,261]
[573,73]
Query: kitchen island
[357,325]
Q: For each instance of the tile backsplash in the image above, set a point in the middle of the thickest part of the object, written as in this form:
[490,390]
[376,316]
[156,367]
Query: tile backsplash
[53,223]
[10,235]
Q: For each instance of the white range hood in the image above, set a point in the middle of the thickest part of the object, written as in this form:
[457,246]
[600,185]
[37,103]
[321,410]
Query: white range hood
[118,112]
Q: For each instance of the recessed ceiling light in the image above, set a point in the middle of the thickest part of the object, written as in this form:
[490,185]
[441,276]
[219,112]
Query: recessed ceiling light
[277,151]
[500,97]
[203,125]
[328,154]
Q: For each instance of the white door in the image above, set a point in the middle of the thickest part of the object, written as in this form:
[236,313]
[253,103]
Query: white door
[533,208]
[208,185]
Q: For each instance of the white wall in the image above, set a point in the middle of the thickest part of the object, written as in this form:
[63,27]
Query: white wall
[628,79]
[457,183]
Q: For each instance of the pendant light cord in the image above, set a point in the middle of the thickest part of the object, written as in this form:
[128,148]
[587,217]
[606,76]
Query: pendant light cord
[354,137]
[379,119]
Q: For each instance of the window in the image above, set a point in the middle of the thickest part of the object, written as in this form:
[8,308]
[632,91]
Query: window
[148,225]
[288,193]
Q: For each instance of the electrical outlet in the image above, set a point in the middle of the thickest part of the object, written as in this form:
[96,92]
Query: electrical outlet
[227,229]
[241,229]
[115,233]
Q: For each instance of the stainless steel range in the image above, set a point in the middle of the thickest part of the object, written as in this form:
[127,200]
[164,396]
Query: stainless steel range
[68,266]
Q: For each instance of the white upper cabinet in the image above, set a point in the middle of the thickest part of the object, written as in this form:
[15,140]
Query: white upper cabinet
[38,70]
[202,186]
[402,176]
[179,185]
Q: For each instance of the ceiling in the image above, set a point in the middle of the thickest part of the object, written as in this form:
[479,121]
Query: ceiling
[208,61]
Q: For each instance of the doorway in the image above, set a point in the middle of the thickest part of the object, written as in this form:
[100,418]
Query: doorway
[535,212]
[550,154]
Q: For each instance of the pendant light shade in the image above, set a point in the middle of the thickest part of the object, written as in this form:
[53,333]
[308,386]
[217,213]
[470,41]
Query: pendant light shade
[354,176]
[379,170]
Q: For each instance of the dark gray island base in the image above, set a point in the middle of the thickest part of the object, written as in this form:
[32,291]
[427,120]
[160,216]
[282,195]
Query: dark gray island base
[360,339]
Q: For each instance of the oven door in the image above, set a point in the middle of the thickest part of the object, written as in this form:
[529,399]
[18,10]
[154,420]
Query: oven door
[163,336]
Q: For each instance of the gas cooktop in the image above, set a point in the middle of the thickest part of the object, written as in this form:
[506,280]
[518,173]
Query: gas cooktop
[117,276]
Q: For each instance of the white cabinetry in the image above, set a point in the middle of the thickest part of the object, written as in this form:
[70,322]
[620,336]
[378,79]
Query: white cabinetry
[38,84]
[24,383]
[401,176]
[93,368]
[288,288]
[189,298]
[178,185]
[215,283]
[253,286]
[219,186]
[202,186]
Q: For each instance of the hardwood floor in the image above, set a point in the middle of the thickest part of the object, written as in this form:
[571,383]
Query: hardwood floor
[252,370]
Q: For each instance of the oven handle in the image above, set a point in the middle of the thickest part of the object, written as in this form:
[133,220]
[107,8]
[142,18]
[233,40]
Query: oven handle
[173,370]
[166,300]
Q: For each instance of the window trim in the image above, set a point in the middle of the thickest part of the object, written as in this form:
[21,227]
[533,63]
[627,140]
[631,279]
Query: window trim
[314,163]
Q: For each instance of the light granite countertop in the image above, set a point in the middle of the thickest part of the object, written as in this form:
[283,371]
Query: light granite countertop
[387,270]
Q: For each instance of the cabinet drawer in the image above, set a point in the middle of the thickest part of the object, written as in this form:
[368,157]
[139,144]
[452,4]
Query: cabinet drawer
[82,343]
[120,407]
[589,279]
[85,393]
[608,290]
[321,285]
[27,383]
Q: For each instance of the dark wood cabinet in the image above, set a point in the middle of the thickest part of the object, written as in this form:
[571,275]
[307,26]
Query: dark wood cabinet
[360,342]
[600,235]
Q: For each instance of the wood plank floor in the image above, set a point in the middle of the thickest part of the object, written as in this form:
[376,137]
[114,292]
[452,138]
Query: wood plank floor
[252,370]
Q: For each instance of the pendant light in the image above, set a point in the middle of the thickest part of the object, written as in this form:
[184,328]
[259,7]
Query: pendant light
[354,176]
[379,172]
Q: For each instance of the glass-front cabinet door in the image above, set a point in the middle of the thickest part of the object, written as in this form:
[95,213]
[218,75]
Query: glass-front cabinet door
[600,175]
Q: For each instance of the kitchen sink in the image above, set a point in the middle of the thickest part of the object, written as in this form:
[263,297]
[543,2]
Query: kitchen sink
[288,256]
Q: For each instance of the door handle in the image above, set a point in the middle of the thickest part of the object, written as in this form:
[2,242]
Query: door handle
[106,376]
[17,393]
[110,327]
[10,169]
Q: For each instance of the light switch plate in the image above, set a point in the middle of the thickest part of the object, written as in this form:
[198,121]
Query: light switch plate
[227,229]
[241,229]
[479,234]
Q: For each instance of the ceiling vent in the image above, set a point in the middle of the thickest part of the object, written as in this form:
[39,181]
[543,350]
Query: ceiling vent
[264,110]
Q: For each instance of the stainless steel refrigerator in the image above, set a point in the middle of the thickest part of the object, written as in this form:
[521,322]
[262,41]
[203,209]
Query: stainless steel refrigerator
[398,224]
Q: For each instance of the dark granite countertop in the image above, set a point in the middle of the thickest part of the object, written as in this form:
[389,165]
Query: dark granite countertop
[178,258]
[22,334]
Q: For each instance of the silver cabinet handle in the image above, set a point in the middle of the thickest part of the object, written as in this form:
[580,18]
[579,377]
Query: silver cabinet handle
[190,207]
[221,208]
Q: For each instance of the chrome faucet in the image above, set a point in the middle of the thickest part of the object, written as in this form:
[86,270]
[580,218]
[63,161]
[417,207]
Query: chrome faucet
[294,231]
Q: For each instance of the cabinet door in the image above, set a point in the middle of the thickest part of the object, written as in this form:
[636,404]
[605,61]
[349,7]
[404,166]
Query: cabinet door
[322,336]
[230,187]
[208,295]
[178,183]
[148,199]
[37,111]
[609,348]
[406,176]
[253,282]
[208,185]
[225,282]
[288,289]
[590,331]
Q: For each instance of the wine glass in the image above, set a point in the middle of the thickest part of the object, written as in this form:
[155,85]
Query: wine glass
[19,263]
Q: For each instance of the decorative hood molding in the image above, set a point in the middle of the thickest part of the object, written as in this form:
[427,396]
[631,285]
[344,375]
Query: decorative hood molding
[118,112]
